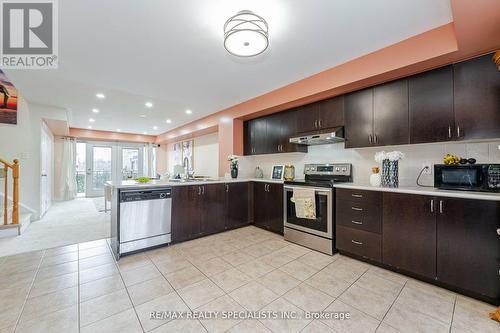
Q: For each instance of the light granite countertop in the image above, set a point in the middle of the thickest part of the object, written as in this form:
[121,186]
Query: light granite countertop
[423,191]
[131,184]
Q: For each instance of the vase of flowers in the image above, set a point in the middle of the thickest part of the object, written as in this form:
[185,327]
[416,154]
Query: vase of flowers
[233,162]
[390,167]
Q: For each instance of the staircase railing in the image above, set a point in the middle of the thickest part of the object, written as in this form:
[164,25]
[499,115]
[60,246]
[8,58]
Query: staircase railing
[15,192]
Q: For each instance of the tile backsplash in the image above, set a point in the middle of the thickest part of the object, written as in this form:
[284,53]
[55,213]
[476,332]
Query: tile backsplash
[362,159]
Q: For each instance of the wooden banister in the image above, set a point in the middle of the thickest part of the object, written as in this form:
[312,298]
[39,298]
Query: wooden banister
[15,197]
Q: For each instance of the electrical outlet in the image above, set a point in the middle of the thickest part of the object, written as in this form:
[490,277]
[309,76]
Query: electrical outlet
[427,169]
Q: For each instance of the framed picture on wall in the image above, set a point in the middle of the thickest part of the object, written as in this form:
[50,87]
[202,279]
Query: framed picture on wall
[277,172]
[8,101]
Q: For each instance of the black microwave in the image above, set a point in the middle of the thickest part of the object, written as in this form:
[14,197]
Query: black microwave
[470,177]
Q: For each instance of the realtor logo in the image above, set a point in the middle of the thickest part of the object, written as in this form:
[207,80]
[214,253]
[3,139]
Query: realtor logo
[29,34]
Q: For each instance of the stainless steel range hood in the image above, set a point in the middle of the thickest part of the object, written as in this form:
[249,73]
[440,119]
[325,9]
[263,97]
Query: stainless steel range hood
[333,136]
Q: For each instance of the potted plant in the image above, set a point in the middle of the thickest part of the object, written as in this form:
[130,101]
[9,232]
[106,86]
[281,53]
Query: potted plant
[233,160]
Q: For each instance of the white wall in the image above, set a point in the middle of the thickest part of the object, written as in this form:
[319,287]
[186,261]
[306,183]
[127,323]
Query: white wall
[22,141]
[363,159]
[206,156]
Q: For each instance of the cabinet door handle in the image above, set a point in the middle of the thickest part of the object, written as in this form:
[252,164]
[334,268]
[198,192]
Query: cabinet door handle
[356,242]
[320,123]
[375,138]
[458,131]
[441,206]
[370,140]
[432,205]
[203,192]
[357,195]
[316,124]
[449,131]
[357,222]
[227,188]
[358,209]
[199,190]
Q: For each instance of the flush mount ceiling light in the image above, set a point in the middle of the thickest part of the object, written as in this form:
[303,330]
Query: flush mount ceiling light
[100,96]
[148,104]
[95,110]
[246,34]
[168,121]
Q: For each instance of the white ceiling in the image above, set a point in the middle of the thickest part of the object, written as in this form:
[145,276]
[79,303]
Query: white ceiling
[170,52]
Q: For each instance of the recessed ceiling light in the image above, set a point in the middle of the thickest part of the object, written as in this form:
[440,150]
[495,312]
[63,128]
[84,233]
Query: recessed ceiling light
[118,130]
[168,121]
[142,116]
[145,133]
[92,120]
[184,132]
[95,110]
[155,127]
[189,112]
[89,127]
[148,104]
[100,96]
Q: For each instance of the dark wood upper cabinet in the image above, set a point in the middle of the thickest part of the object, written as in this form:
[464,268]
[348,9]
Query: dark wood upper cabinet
[321,115]
[477,99]
[409,233]
[271,134]
[331,112]
[307,118]
[431,106]
[236,205]
[359,118]
[390,113]
[468,246]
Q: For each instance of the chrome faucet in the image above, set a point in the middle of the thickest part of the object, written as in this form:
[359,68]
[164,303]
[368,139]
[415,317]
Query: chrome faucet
[188,172]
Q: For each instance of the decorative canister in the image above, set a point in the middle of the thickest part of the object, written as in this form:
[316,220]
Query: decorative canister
[289,172]
[390,173]
[375,178]
[259,173]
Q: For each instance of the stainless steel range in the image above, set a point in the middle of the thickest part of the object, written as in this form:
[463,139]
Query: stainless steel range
[316,233]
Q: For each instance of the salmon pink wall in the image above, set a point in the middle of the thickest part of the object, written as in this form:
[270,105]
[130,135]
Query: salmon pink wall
[109,136]
[475,30]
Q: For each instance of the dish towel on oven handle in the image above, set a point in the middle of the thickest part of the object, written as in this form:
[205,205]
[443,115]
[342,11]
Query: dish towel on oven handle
[305,203]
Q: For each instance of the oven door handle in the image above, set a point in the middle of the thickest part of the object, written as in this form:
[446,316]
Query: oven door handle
[316,191]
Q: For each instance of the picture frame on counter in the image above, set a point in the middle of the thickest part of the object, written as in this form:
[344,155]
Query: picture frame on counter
[277,172]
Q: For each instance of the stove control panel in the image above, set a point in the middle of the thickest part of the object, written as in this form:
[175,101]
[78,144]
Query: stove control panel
[328,169]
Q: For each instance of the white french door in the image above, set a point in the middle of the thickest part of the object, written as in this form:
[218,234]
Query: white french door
[110,161]
[99,163]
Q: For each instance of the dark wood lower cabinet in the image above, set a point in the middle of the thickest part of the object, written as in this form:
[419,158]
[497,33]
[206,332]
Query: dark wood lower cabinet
[236,205]
[409,233]
[468,246]
[211,212]
[268,206]
[199,210]
[185,207]
[451,242]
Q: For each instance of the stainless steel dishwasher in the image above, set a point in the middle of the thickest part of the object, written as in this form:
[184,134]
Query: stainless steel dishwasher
[145,219]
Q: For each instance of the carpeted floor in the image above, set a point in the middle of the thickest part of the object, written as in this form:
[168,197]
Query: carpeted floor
[68,222]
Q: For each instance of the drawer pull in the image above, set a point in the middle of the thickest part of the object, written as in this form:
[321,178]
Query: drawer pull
[356,242]
[358,209]
[357,222]
[357,195]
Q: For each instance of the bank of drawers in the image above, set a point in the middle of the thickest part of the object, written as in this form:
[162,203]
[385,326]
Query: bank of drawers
[359,223]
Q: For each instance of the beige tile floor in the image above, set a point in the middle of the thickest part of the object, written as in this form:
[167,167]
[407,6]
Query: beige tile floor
[81,288]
